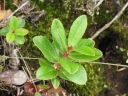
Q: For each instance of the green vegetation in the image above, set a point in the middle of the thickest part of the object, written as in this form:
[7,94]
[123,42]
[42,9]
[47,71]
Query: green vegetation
[63,53]
[15,31]
[64,11]
[96,84]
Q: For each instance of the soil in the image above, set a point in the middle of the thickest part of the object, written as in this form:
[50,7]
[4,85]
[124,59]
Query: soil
[118,82]
[116,76]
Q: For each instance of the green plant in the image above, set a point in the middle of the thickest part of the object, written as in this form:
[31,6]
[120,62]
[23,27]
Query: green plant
[15,31]
[1,68]
[37,94]
[96,85]
[64,54]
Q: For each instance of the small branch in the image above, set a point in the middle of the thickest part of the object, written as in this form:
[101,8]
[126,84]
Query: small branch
[102,63]
[98,4]
[27,68]
[21,58]
[80,9]
[108,24]
[4,21]
[18,9]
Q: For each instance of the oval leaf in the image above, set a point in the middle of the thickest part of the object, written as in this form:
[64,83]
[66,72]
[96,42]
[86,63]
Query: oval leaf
[43,86]
[46,72]
[77,30]
[85,58]
[21,23]
[55,82]
[85,50]
[4,31]
[19,39]
[46,48]
[37,94]
[21,31]
[63,76]
[69,66]
[10,37]
[58,35]
[43,62]
[13,24]
[80,77]
[85,42]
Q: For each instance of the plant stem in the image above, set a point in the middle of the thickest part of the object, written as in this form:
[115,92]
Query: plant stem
[108,24]
[23,57]
[108,64]
[18,9]
[26,65]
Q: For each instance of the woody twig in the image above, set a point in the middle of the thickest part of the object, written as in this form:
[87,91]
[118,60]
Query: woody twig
[108,24]
[98,4]
[18,9]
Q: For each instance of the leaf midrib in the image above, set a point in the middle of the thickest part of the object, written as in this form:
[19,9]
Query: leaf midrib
[76,31]
[47,50]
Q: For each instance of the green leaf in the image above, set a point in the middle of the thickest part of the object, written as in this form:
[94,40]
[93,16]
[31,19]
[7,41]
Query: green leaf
[10,37]
[13,24]
[55,82]
[85,58]
[43,62]
[21,31]
[85,42]
[85,50]
[21,23]
[1,68]
[77,30]
[37,94]
[46,71]
[4,31]
[46,48]
[68,65]
[3,57]
[80,77]
[58,35]
[63,76]
[19,39]
[43,86]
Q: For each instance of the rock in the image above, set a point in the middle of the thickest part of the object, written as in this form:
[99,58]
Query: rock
[16,77]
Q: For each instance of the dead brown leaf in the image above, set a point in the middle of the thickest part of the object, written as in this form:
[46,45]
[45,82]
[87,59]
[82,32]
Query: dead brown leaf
[4,14]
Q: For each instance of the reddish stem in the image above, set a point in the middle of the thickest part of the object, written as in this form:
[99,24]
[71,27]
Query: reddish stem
[57,66]
[13,31]
[70,48]
[67,52]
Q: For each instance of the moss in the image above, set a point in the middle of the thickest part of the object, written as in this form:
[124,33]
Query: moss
[96,84]
[104,16]
[120,27]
